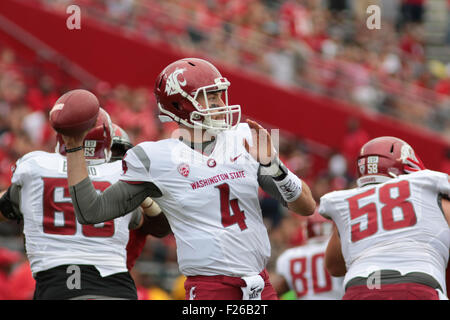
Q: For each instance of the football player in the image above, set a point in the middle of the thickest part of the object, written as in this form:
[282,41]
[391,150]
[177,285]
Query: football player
[392,238]
[69,260]
[205,180]
[302,268]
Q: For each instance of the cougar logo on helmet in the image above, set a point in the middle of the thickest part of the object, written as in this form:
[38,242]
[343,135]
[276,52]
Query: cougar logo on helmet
[173,84]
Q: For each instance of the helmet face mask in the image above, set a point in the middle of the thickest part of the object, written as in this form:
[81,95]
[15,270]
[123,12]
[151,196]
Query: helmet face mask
[179,87]
[120,143]
[382,159]
[97,143]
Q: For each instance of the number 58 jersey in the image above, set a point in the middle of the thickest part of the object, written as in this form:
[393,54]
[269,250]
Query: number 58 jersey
[53,237]
[397,225]
[211,202]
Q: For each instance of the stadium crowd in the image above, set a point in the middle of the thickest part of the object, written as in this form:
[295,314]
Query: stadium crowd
[325,53]
[319,45]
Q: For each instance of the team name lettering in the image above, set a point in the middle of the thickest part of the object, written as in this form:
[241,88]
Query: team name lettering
[218,178]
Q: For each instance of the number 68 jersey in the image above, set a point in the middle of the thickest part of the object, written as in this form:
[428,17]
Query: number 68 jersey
[53,237]
[211,202]
[397,225]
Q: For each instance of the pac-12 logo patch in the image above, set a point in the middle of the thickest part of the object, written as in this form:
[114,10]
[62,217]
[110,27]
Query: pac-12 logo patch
[211,163]
[183,169]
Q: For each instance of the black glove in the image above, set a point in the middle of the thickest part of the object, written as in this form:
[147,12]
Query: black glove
[8,209]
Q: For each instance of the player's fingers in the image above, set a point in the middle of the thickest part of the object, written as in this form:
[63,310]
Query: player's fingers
[254,125]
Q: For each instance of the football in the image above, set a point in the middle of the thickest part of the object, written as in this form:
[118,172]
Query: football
[74,112]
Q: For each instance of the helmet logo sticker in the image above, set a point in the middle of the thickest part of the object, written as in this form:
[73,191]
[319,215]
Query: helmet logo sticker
[362,166]
[407,152]
[372,164]
[173,84]
[89,148]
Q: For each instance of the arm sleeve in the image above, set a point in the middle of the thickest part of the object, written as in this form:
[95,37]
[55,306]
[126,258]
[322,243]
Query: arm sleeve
[116,201]
[10,203]
[267,184]
[135,219]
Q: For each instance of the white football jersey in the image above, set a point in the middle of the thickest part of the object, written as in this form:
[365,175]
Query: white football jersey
[303,268]
[211,202]
[396,225]
[53,237]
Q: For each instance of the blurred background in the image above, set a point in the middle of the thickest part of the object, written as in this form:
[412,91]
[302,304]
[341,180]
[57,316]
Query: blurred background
[310,68]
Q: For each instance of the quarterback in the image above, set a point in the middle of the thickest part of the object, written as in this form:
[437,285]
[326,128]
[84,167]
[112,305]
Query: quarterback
[205,180]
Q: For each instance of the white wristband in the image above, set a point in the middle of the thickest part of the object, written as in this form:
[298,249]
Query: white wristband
[290,187]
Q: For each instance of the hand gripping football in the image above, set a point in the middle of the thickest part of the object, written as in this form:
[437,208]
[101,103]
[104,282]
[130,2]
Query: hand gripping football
[74,112]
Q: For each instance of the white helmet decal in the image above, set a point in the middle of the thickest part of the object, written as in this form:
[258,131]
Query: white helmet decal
[173,85]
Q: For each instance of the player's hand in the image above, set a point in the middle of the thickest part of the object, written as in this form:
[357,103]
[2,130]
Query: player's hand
[74,141]
[262,149]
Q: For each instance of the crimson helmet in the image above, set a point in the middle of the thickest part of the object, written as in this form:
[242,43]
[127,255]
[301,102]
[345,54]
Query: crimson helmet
[180,84]
[120,143]
[97,143]
[318,226]
[386,157]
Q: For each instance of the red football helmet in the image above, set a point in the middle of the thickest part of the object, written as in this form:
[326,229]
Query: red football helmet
[97,143]
[120,143]
[318,226]
[384,158]
[179,85]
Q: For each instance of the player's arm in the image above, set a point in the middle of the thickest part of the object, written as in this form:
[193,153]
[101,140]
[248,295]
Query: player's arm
[91,207]
[9,204]
[295,193]
[334,260]
[279,283]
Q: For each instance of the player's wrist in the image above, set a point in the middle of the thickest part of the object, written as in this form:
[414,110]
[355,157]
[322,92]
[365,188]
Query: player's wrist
[74,149]
[276,169]
[150,207]
[288,184]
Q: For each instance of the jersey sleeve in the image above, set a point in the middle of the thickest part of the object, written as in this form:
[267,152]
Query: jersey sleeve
[326,207]
[438,180]
[444,185]
[136,165]
[22,169]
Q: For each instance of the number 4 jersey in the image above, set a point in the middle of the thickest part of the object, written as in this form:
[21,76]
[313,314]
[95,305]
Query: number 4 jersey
[211,202]
[53,237]
[397,225]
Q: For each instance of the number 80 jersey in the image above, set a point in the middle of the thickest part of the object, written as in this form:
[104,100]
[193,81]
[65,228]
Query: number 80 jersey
[211,202]
[396,225]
